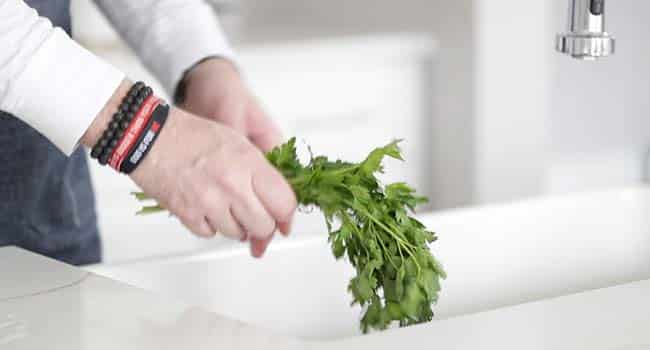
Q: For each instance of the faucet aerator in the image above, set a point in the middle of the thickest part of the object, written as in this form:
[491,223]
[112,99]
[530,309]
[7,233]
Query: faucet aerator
[586,38]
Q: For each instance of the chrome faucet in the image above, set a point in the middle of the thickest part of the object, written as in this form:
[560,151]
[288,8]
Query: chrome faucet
[586,38]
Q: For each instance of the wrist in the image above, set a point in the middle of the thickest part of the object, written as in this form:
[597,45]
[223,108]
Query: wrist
[164,147]
[203,66]
[127,127]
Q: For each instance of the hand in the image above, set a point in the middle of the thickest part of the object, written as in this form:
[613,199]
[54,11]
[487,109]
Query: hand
[214,180]
[211,177]
[215,90]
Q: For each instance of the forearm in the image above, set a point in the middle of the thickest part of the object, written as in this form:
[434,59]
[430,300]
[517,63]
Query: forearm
[47,80]
[168,35]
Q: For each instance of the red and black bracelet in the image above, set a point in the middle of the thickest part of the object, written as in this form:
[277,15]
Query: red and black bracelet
[125,143]
[146,139]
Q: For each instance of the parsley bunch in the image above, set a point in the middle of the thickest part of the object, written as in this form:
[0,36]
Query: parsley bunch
[397,279]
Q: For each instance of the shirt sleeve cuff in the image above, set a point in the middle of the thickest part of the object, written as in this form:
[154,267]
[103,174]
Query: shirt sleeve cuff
[199,37]
[62,90]
[186,61]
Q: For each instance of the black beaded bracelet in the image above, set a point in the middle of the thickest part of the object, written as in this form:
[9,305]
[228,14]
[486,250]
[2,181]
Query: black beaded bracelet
[111,135]
[121,119]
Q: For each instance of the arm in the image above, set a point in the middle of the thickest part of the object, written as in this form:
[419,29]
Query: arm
[169,36]
[65,92]
[247,200]
[49,81]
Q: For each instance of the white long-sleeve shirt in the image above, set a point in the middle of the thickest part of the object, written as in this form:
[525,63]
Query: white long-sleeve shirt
[58,87]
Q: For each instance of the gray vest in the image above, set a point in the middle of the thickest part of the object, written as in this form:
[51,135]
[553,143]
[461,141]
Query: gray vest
[46,199]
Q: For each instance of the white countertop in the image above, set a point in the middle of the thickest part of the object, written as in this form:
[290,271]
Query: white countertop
[93,312]
[565,272]
[97,313]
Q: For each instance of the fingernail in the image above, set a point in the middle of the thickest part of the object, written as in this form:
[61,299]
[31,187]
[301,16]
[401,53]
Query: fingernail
[285,228]
[255,252]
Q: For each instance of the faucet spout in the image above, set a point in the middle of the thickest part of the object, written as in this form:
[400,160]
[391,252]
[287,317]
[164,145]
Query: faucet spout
[586,38]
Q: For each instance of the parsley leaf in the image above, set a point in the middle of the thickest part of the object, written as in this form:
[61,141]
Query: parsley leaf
[397,278]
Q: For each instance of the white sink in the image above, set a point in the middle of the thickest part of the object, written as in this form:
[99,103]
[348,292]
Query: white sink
[495,256]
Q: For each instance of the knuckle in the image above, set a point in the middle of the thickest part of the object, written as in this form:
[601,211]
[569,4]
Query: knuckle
[248,154]
[206,199]
[232,181]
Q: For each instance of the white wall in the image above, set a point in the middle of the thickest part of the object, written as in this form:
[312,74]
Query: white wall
[546,123]
[511,59]
[587,129]
[450,22]
[600,111]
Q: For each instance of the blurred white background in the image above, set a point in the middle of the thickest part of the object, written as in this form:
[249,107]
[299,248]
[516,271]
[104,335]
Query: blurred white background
[489,111]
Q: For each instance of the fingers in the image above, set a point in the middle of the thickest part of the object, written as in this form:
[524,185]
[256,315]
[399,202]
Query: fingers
[218,213]
[213,226]
[190,211]
[262,131]
[232,225]
[205,209]
[220,218]
[219,182]
[258,246]
[256,222]
[285,227]
[244,207]
[276,196]
[198,225]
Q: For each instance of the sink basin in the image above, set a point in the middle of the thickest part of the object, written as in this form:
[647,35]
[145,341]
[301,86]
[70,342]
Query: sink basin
[297,289]
[496,256]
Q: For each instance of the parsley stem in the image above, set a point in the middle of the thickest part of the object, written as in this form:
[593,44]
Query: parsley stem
[386,251]
[150,210]
[342,170]
[384,227]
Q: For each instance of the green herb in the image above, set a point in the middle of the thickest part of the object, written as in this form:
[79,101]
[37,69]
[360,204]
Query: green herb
[397,279]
